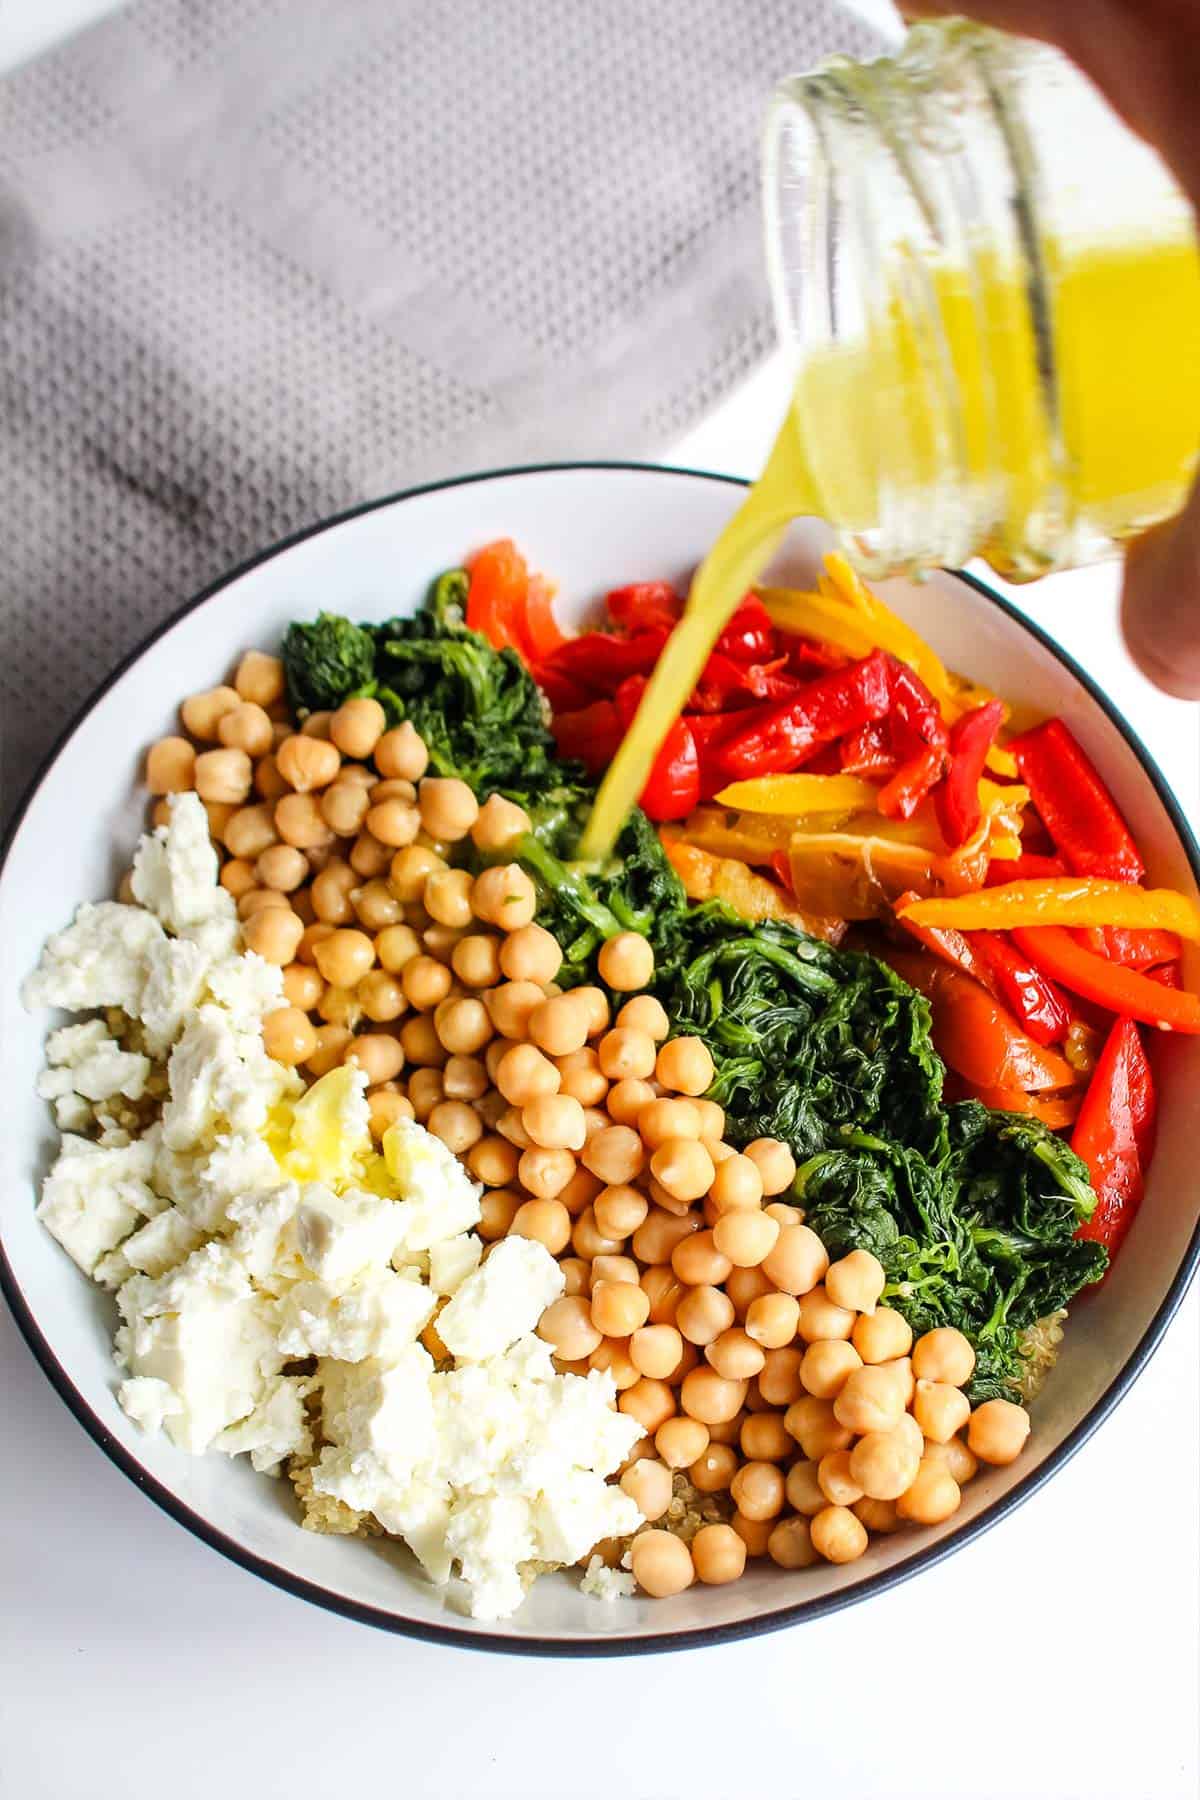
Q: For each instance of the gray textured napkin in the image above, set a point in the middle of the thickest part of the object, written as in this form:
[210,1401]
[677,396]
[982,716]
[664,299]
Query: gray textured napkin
[260,259]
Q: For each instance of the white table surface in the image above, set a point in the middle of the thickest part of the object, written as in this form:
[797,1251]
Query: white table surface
[1055,1659]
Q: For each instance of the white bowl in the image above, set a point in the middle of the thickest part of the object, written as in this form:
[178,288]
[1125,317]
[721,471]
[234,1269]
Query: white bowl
[591,527]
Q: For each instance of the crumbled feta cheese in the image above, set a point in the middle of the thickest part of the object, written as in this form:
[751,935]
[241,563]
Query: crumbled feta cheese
[175,978]
[247,986]
[386,1408]
[99,960]
[160,1243]
[438,1197]
[603,1583]
[86,1060]
[376,1315]
[148,1401]
[501,1301]
[175,869]
[221,1081]
[337,1235]
[451,1261]
[277,1428]
[94,1196]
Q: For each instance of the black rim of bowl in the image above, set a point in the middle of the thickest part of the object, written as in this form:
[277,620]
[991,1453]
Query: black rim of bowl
[615,1645]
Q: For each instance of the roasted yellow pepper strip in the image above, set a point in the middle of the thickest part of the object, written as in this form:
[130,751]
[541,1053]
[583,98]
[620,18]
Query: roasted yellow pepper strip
[800,795]
[1065,900]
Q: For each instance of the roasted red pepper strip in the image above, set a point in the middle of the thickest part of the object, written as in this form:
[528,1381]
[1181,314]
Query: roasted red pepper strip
[600,662]
[672,788]
[726,684]
[913,782]
[644,605]
[954,947]
[496,595]
[564,694]
[957,800]
[778,738]
[1060,956]
[541,631]
[977,1036]
[749,636]
[915,718]
[1114,1134]
[807,654]
[1055,1110]
[1075,806]
[592,734]
[868,752]
[1133,949]
[1038,1002]
[1024,868]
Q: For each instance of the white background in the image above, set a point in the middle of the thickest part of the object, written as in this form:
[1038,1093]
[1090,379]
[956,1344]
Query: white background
[1055,1658]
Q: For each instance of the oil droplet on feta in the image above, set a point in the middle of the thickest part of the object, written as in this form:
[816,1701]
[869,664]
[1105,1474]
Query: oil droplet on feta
[324,1135]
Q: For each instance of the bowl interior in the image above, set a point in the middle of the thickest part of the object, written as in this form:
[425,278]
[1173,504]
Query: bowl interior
[589,528]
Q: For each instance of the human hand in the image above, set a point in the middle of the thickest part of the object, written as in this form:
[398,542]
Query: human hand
[1144,56]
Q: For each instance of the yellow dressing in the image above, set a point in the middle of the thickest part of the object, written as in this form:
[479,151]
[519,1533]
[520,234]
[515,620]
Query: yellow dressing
[1124,333]
[323,1136]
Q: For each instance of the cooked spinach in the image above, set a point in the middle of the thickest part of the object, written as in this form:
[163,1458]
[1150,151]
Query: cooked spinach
[972,1213]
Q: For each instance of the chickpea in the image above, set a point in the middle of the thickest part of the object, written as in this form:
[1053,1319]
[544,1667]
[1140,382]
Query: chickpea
[956,1457]
[645,1013]
[307,763]
[737,1186]
[587,1240]
[426,982]
[259,678]
[170,766]
[530,953]
[381,997]
[475,961]
[579,1194]
[648,1484]
[626,1055]
[661,1563]
[369,858]
[422,1046]
[498,1209]
[546,1221]
[710,1397]
[877,1515]
[697,1261]
[661,1120]
[554,1122]
[940,1410]
[448,808]
[626,962]
[424,1089]
[545,1173]
[512,1005]
[944,1355]
[803,1488]
[685,1170]
[313,935]
[384,1106]
[714,1469]
[331,891]
[703,1314]
[754,1533]
[815,1428]
[458,1126]
[735,1355]
[757,1490]
[237,877]
[609,1267]
[250,831]
[835,1480]
[855,1281]
[998,1429]
[378,1055]
[499,823]
[719,1555]
[302,987]
[344,806]
[838,1535]
[746,1238]
[776,1164]
[357,726]
[884,1463]
[870,1399]
[288,1036]
[223,775]
[771,1320]
[624,1100]
[258,899]
[282,867]
[820,1318]
[464,1077]
[559,1025]
[615,1154]
[344,957]
[401,753]
[655,1350]
[826,1366]
[202,713]
[331,1047]
[684,1066]
[613,1359]
[779,1379]
[492,1160]
[882,1335]
[790,1544]
[933,1496]
[395,946]
[725,1431]
[596,1004]
[392,822]
[298,821]
[246,727]
[648,1401]
[524,1075]
[510,1124]
[409,872]
[462,1024]
[796,1263]
[269,784]
[340,1006]
[274,933]
[654,1241]
[744,1286]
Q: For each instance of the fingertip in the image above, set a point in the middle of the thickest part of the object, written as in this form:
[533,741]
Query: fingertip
[1160,604]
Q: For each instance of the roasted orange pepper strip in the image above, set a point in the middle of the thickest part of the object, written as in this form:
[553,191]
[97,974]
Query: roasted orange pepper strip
[1106,983]
[1066,900]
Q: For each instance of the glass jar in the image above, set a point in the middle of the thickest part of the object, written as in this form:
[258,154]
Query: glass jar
[993,293]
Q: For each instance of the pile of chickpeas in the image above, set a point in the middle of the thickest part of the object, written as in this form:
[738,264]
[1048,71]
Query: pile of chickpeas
[770,1382]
